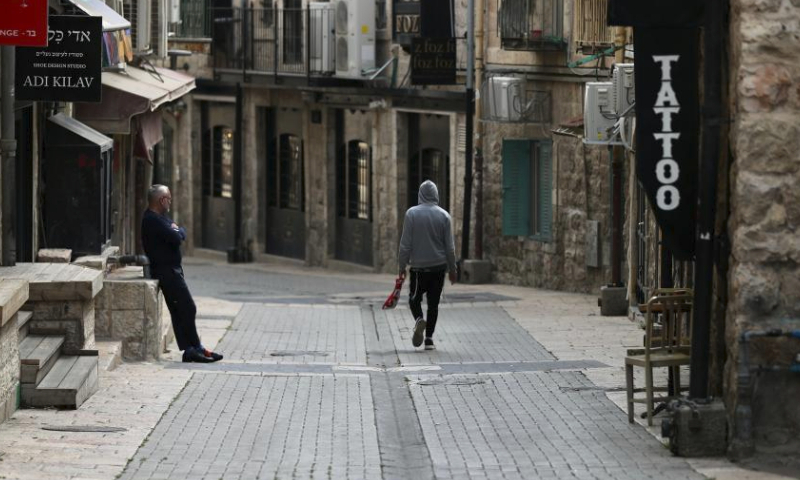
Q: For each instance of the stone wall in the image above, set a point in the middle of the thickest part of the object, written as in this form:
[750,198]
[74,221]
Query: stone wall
[131,309]
[73,318]
[9,368]
[764,286]
[580,181]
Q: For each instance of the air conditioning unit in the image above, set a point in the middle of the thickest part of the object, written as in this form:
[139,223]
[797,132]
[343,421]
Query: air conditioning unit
[505,98]
[599,117]
[322,49]
[623,88]
[355,37]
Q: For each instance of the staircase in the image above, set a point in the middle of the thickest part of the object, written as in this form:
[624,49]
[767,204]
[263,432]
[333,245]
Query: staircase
[48,377]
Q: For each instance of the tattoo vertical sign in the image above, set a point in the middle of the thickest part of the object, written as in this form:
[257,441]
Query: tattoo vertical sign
[69,68]
[667,127]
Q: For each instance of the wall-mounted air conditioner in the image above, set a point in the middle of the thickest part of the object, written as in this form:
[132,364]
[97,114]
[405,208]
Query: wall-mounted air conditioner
[504,98]
[322,37]
[623,88]
[599,117]
[355,37]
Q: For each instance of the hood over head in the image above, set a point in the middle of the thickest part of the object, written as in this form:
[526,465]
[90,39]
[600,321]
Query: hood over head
[428,193]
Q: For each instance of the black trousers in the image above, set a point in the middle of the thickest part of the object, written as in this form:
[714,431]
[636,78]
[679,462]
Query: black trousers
[428,282]
[181,305]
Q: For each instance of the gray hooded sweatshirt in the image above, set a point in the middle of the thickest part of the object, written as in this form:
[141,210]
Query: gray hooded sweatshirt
[427,239]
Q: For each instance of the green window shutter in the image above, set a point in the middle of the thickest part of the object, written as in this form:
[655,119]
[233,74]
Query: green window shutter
[516,187]
[546,190]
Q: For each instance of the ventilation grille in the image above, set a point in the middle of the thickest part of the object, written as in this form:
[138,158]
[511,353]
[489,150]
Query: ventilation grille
[342,59]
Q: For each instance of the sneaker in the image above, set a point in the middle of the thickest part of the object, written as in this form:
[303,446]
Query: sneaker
[429,344]
[213,355]
[419,331]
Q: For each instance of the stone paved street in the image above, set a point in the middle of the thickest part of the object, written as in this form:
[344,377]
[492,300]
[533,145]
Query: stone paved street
[319,383]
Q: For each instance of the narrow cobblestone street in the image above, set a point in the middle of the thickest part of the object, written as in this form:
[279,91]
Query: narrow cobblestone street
[320,383]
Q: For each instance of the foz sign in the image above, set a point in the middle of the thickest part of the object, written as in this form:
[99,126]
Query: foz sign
[668,196]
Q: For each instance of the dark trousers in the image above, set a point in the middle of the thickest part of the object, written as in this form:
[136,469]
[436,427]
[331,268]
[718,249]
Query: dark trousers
[428,282]
[180,304]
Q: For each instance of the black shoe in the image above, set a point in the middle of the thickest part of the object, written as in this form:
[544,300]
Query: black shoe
[212,355]
[192,355]
[419,331]
[429,344]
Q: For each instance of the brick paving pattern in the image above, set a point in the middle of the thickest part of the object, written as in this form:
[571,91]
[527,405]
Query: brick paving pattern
[296,334]
[466,335]
[534,425]
[243,427]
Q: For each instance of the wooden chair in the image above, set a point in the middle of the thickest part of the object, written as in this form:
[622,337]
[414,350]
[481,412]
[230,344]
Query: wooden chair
[666,344]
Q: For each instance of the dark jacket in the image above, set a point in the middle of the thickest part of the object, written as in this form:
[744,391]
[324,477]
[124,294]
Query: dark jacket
[161,242]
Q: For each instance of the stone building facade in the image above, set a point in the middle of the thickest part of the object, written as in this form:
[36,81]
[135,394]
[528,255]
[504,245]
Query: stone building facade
[764,278]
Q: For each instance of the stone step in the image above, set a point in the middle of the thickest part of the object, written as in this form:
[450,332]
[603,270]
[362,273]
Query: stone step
[38,354]
[72,380]
[110,354]
[22,323]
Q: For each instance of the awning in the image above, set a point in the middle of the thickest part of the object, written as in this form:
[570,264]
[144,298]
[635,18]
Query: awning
[78,133]
[95,8]
[130,93]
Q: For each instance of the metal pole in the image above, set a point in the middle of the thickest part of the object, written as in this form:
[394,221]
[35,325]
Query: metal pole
[707,198]
[470,97]
[237,169]
[8,145]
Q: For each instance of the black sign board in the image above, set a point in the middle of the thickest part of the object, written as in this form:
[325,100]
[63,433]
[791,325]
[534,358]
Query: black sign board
[667,127]
[68,69]
[406,21]
[436,18]
[433,61]
[656,13]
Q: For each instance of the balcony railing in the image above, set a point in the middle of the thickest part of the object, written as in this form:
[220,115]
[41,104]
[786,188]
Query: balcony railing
[534,25]
[296,41]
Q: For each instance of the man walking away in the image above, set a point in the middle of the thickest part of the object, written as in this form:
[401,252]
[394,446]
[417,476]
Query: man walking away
[161,239]
[427,246]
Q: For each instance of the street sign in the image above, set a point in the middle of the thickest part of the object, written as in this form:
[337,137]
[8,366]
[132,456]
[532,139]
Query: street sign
[24,23]
[69,68]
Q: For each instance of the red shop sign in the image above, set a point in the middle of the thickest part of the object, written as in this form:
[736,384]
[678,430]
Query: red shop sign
[24,23]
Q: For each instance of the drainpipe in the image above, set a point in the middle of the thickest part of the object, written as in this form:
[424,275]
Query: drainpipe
[470,104]
[8,148]
[617,158]
[479,51]
[707,198]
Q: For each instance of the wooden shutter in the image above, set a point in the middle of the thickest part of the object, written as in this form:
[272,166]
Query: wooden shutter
[516,187]
[545,203]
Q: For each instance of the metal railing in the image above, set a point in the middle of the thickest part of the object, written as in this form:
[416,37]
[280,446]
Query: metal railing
[297,41]
[195,19]
[534,25]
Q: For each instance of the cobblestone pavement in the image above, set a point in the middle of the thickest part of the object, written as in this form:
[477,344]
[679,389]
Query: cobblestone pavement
[319,383]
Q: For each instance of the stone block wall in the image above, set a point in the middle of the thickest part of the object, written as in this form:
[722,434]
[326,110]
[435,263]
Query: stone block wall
[9,368]
[581,192]
[74,319]
[131,309]
[764,278]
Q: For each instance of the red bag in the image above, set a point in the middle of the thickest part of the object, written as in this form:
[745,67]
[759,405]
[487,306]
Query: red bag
[391,302]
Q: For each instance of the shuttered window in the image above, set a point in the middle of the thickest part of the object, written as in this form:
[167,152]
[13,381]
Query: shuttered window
[527,189]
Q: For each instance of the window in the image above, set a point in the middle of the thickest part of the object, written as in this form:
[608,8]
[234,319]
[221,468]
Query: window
[353,173]
[196,18]
[527,189]
[534,25]
[222,163]
[285,173]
